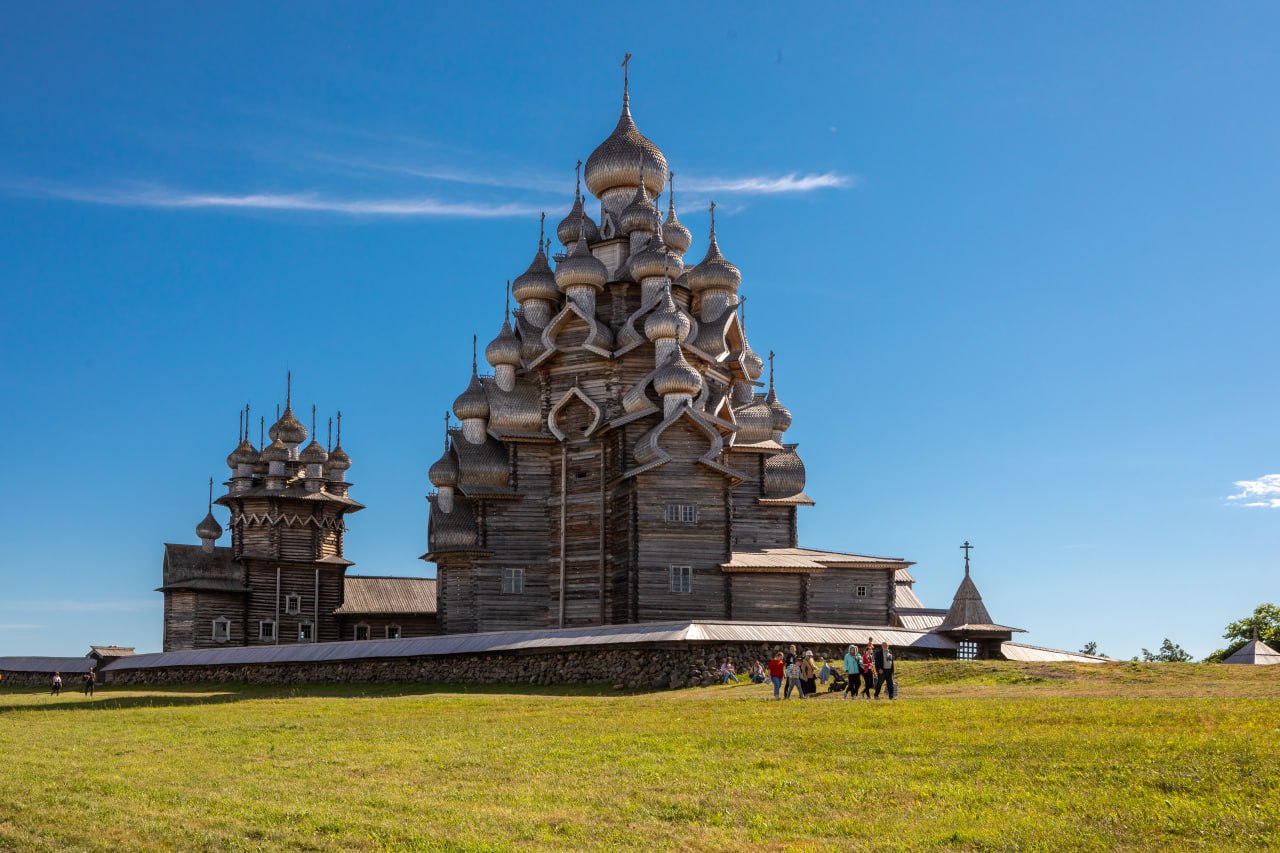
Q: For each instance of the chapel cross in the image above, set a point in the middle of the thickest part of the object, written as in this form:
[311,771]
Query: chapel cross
[967,548]
[625,59]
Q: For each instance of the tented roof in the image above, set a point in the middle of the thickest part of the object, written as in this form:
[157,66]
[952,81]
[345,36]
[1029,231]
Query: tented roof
[1255,653]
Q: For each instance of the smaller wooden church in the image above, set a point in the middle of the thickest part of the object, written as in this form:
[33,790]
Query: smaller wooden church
[284,577]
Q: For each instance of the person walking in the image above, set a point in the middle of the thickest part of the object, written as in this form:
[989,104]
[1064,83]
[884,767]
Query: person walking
[89,679]
[793,680]
[777,672]
[884,666]
[56,686]
[868,670]
[808,675]
[852,672]
[788,661]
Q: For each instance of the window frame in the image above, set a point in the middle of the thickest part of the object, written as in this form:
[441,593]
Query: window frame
[362,626]
[678,513]
[263,625]
[225,624]
[681,580]
[293,604]
[861,591]
[967,650]
[398,633]
[305,628]
[513,580]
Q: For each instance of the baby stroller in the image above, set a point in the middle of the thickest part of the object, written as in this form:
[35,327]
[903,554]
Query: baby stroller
[839,681]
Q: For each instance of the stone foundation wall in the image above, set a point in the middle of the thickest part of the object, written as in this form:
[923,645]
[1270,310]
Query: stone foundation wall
[644,668]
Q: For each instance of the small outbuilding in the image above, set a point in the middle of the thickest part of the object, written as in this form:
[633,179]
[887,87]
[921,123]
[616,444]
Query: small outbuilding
[1255,653]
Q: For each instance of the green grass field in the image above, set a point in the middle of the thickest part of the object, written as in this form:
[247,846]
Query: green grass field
[973,756]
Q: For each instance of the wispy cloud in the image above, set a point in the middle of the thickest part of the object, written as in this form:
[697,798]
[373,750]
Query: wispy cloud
[1263,492]
[771,185]
[162,197]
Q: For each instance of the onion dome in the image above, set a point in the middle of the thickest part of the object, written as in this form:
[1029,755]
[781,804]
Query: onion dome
[313,454]
[784,474]
[577,220]
[752,364]
[655,259]
[505,348]
[289,429]
[667,322]
[472,403]
[673,232]
[537,282]
[677,376]
[276,451]
[244,454]
[625,159]
[444,471]
[781,414]
[580,268]
[338,458]
[209,528]
[640,215]
[714,272]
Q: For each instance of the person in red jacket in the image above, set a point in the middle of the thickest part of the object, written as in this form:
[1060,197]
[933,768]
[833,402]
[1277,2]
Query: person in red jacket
[777,671]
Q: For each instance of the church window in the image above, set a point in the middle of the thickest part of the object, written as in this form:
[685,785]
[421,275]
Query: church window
[682,513]
[293,604]
[306,632]
[266,630]
[681,579]
[393,632]
[221,629]
[362,631]
[967,650]
[513,581]
[862,592]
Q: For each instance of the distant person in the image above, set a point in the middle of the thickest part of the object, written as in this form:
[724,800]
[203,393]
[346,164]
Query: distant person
[728,673]
[89,678]
[868,669]
[777,672]
[56,685]
[757,673]
[809,674]
[794,684]
[789,660]
[884,666]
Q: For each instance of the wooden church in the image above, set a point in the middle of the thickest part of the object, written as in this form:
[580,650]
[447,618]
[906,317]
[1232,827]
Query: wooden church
[625,461]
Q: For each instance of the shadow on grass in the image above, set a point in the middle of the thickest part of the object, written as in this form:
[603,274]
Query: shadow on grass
[214,693]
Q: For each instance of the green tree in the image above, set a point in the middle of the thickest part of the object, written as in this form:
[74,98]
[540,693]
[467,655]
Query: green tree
[1265,620]
[1170,652]
[1091,648]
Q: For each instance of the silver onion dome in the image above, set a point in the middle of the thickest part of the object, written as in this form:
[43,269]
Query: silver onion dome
[276,451]
[209,528]
[338,458]
[667,322]
[472,403]
[780,414]
[713,272]
[655,259]
[313,454]
[581,268]
[752,364]
[505,348]
[677,376]
[444,471]
[567,230]
[673,232]
[244,454]
[289,429]
[640,215]
[538,281]
[784,474]
[617,162]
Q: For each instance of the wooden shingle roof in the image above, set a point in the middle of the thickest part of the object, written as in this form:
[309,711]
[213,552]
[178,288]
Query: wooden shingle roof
[804,560]
[366,595]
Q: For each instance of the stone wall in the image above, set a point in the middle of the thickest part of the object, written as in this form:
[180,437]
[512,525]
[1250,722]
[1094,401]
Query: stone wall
[647,668]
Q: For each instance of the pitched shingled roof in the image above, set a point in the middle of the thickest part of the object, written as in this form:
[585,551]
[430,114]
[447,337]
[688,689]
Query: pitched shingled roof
[803,560]
[368,595]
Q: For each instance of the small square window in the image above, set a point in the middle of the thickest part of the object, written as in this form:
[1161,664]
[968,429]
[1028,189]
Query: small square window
[293,604]
[681,579]
[393,632]
[967,650]
[362,631]
[221,629]
[513,581]
[306,632]
[266,630]
[861,592]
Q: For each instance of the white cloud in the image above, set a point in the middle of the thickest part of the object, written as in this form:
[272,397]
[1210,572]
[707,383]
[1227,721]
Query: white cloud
[767,185]
[1263,492]
[160,197]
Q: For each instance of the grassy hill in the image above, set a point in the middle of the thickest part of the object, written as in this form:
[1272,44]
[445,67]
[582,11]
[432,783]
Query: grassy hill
[974,756]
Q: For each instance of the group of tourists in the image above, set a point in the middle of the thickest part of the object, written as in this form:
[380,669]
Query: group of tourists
[89,679]
[792,673]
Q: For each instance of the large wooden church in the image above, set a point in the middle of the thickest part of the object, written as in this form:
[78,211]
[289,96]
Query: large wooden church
[627,459]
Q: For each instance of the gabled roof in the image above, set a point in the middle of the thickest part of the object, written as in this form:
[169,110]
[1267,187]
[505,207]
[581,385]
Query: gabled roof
[367,595]
[804,560]
[1255,653]
[110,651]
[192,567]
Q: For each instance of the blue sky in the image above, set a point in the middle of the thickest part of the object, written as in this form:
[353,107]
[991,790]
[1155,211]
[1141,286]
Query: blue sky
[1018,263]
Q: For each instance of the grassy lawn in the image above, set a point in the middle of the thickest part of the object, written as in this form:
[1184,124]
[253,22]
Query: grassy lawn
[973,756]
